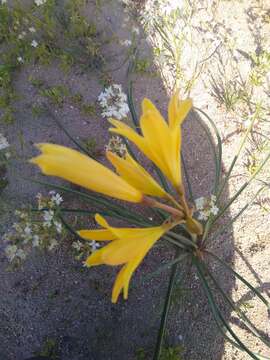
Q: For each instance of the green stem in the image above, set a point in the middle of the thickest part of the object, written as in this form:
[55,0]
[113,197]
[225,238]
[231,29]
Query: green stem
[228,267]
[252,328]
[182,239]
[216,312]
[166,309]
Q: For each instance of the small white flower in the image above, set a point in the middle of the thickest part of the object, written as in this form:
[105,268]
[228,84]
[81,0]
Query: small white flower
[34,43]
[214,210]
[11,251]
[135,30]
[3,142]
[77,245]
[199,203]
[20,59]
[7,155]
[58,226]
[53,244]
[126,42]
[94,245]
[206,207]
[22,35]
[57,199]
[21,254]
[36,241]
[27,230]
[32,29]
[39,2]
[113,102]
[39,196]
[48,217]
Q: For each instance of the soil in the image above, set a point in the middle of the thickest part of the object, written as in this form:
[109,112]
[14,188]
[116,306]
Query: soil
[54,301]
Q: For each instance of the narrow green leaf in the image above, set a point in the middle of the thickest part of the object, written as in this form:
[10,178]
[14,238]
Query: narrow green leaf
[165,267]
[230,222]
[216,312]
[229,268]
[242,188]
[187,178]
[242,143]
[97,200]
[63,128]
[252,328]
[219,143]
[213,148]
[166,309]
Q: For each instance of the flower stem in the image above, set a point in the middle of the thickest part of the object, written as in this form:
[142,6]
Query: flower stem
[166,309]
[154,203]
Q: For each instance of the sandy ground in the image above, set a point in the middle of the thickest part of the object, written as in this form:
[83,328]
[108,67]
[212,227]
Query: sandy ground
[52,298]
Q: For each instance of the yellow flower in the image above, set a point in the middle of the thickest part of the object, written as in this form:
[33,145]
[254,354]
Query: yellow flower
[80,169]
[136,175]
[128,246]
[160,141]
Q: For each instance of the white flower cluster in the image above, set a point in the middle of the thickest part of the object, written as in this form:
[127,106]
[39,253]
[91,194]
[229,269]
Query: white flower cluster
[3,142]
[206,207]
[40,2]
[34,230]
[33,43]
[117,146]
[84,249]
[114,102]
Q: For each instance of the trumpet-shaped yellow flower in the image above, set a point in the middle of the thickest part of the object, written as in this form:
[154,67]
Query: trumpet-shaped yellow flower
[80,169]
[128,246]
[160,141]
[136,175]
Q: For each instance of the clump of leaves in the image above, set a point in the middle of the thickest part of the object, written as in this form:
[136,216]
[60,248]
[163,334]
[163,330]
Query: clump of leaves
[56,94]
[172,353]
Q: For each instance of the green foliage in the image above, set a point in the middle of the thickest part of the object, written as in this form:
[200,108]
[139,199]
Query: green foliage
[37,110]
[172,353]
[56,94]
[50,349]
[38,83]
[227,92]
[8,116]
[88,109]
[53,31]
[3,178]
[91,146]
[141,354]
[142,65]
[261,66]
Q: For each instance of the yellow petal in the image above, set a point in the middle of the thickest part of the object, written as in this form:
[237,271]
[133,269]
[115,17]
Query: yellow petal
[80,169]
[101,221]
[97,235]
[123,278]
[178,110]
[95,258]
[194,226]
[118,284]
[126,131]
[125,274]
[135,175]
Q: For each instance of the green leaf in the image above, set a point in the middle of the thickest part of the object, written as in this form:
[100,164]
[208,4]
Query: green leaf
[230,222]
[166,309]
[252,328]
[63,128]
[97,200]
[217,156]
[229,268]
[216,312]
